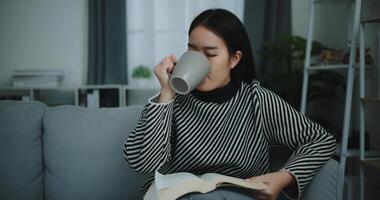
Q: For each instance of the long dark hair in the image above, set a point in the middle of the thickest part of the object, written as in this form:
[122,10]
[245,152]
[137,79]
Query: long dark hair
[231,30]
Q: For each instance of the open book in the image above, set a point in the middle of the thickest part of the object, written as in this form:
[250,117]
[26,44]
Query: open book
[173,186]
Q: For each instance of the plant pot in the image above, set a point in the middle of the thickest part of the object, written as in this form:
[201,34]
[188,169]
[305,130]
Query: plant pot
[141,82]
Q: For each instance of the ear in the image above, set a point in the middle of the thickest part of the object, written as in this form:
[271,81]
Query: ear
[235,58]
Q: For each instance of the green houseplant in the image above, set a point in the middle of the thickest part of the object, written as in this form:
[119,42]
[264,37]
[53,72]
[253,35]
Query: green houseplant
[141,75]
[287,56]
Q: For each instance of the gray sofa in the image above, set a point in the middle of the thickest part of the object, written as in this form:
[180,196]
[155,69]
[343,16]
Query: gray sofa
[70,152]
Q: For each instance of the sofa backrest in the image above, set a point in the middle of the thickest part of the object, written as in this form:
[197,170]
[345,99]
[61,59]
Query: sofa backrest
[21,168]
[72,152]
[83,153]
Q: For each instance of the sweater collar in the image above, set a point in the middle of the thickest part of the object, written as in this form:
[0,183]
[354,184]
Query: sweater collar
[219,95]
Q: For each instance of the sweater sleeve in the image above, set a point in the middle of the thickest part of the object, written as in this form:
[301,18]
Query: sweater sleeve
[148,146]
[311,144]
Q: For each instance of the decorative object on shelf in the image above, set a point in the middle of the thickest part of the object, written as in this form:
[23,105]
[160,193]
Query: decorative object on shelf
[331,56]
[142,75]
[368,58]
[335,56]
[37,78]
[93,99]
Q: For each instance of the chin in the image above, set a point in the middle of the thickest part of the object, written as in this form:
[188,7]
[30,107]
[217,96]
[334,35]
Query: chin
[204,87]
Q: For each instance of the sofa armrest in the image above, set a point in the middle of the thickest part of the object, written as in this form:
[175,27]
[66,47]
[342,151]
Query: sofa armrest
[324,184]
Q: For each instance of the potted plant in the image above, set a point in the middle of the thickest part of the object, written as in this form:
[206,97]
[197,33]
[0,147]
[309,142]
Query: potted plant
[141,75]
[287,56]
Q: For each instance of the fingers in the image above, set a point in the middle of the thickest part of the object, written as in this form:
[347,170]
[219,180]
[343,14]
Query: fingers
[173,62]
[163,70]
[262,194]
[174,58]
[258,179]
[254,179]
[168,63]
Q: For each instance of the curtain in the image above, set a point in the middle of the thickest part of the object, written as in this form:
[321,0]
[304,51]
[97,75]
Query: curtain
[107,42]
[265,20]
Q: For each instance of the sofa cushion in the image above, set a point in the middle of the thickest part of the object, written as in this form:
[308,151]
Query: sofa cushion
[83,153]
[21,150]
[324,184]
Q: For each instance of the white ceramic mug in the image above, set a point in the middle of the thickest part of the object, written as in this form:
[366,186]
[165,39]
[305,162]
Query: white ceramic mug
[189,72]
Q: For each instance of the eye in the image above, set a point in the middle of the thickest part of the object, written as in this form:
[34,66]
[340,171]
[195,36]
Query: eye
[210,55]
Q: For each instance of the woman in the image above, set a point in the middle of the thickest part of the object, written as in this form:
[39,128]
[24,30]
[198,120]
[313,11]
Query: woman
[227,124]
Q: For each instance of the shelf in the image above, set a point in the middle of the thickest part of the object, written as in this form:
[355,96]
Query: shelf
[327,67]
[37,88]
[371,99]
[337,67]
[356,152]
[369,20]
[117,92]
[343,2]
[136,87]
[100,87]
[133,87]
[127,87]
[372,162]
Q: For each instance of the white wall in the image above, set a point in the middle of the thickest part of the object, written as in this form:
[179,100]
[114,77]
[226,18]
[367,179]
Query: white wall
[44,34]
[162,29]
[331,20]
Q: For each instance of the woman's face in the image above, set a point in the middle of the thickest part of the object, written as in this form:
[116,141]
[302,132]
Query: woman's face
[221,62]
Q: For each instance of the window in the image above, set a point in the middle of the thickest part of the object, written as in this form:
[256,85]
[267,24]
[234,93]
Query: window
[156,28]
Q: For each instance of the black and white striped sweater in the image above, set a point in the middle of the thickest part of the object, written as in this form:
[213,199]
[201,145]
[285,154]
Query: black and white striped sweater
[188,134]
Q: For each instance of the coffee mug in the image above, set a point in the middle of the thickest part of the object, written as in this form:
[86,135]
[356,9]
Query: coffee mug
[189,72]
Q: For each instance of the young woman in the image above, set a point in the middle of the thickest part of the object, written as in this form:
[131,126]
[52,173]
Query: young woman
[227,124]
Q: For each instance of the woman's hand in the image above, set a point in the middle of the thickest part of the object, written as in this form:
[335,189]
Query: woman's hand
[276,181]
[163,72]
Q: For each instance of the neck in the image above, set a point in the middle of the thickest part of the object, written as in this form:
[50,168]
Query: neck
[219,95]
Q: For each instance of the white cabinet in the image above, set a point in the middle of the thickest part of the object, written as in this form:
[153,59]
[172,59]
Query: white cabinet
[92,96]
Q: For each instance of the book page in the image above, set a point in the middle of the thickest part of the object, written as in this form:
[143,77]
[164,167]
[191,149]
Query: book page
[172,186]
[169,180]
[176,191]
[178,186]
[219,179]
[152,193]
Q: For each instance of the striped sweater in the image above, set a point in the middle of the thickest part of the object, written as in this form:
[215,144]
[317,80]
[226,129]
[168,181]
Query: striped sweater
[232,137]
